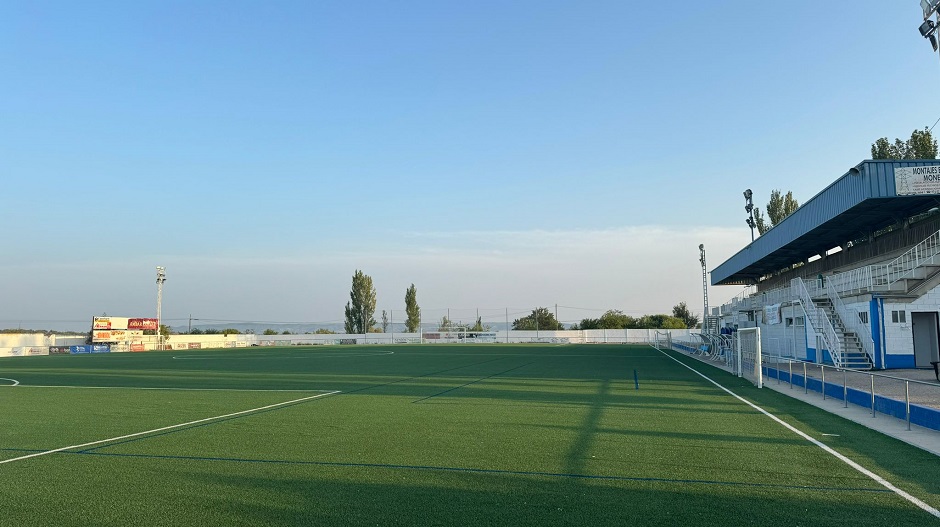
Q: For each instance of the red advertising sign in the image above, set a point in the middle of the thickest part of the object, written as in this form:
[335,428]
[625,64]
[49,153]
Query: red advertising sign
[142,323]
[195,345]
[101,323]
[137,347]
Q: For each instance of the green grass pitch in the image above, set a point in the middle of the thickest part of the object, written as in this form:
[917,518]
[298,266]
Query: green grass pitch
[429,435]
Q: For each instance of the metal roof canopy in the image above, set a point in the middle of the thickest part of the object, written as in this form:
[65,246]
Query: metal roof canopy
[862,201]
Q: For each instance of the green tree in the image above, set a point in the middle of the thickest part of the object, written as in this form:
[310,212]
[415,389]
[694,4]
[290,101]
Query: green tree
[780,206]
[324,331]
[446,324]
[921,145]
[660,322]
[479,326]
[230,331]
[286,332]
[384,322]
[361,305]
[611,319]
[412,310]
[681,311]
[540,318]
[269,331]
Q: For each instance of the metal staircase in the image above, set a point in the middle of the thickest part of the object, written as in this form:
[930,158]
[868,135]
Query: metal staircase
[852,353]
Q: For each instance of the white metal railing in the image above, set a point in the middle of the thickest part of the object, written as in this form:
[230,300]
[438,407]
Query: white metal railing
[852,322]
[819,321]
[882,276]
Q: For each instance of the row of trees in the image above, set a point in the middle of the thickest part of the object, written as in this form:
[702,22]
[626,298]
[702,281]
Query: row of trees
[360,310]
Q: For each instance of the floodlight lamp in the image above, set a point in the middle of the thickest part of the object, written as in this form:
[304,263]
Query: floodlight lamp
[933,41]
[701,246]
[747,194]
[927,28]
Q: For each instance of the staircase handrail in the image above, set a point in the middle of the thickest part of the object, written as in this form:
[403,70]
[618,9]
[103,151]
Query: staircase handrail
[852,321]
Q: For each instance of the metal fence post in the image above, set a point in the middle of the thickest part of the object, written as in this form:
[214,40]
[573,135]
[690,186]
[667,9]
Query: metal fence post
[845,390]
[907,402]
[872,396]
[822,368]
[805,384]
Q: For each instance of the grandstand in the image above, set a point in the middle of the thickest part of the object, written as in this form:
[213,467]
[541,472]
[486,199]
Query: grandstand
[851,278]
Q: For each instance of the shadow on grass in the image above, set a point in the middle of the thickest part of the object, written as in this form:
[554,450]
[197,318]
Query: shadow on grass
[474,499]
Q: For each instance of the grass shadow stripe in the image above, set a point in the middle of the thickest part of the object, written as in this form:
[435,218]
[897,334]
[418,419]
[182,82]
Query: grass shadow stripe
[472,470]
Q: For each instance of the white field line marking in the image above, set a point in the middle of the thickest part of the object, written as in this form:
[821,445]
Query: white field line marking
[883,482]
[15,382]
[155,430]
[158,388]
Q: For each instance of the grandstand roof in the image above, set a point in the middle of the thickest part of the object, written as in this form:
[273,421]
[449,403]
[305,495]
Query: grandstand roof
[863,200]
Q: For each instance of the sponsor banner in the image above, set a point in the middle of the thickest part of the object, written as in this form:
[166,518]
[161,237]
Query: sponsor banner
[58,350]
[118,335]
[772,314]
[37,350]
[178,346]
[101,336]
[241,344]
[100,348]
[347,341]
[137,347]
[142,324]
[432,336]
[101,323]
[917,180]
[135,333]
[17,351]
[195,345]
[229,344]
[75,350]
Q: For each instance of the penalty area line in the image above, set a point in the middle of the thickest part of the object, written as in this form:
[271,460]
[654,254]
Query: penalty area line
[14,381]
[171,427]
[880,480]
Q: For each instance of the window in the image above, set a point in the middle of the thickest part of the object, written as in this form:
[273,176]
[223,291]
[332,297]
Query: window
[899,317]
[863,316]
[800,321]
[789,321]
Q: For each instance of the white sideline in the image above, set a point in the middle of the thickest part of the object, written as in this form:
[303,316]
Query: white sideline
[37,454]
[77,387]
[883,482]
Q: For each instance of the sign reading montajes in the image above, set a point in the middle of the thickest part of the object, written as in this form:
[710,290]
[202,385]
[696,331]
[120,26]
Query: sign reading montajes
[917,180]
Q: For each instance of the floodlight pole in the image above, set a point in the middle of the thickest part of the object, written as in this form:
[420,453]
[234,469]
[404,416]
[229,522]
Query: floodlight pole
[749,207]
[701,250]
[161,278]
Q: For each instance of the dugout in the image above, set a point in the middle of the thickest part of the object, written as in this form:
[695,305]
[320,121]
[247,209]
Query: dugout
[852,277]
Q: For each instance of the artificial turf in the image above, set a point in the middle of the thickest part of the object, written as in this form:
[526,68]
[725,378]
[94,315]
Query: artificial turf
[430,435]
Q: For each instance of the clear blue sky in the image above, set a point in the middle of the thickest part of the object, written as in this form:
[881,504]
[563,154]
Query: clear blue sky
[496,154]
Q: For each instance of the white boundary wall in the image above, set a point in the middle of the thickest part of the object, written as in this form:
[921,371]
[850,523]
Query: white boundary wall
[17,345]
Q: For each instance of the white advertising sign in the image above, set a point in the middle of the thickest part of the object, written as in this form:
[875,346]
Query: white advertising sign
[772,314]
[917,180]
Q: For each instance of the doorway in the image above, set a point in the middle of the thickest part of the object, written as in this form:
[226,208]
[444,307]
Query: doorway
[926,338]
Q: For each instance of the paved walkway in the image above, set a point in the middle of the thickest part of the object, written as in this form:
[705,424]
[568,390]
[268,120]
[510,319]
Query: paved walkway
[888,383]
